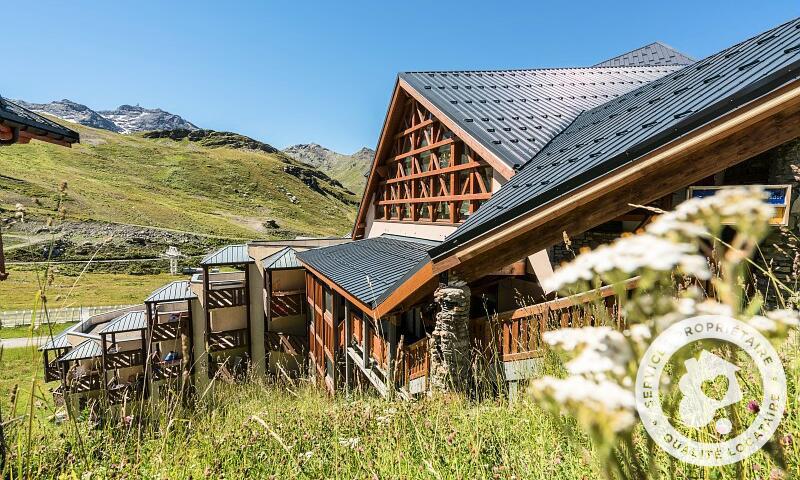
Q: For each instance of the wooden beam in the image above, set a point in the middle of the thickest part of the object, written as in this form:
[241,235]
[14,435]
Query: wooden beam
[440,198]
[414,128]
[432,173]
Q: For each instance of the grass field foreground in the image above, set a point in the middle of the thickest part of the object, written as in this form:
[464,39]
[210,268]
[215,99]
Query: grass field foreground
[263,430]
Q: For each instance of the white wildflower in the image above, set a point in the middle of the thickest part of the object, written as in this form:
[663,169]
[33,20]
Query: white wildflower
[640,333]
[604,400]
[349,442]
[710,307]
[599,349]
[686,306]
[762,324]
[789,318]
[667,224]
[631,255]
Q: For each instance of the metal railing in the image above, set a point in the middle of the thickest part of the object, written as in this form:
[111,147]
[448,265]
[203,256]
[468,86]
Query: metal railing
[20,318]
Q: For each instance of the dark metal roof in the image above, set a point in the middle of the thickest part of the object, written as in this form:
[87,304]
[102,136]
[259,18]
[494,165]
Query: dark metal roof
[514,113]
[127,323]
[618,132]
[369,269]
[651,55]
[87,349]
[172,292]
[13,115]
[228,255]
[283,259]
[57,342]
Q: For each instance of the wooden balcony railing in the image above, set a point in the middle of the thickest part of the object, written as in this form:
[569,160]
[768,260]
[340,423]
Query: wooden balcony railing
[52,372]
[85,383]
[126,359]
[286,304]
[378,349]
[227,340]
[122,393]
[282,342]
[167,331]
[415,360]
[356,328]
[520,332]
[165,370]
[226,297]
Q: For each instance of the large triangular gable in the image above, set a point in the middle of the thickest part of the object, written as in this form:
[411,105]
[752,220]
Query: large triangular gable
[418,142]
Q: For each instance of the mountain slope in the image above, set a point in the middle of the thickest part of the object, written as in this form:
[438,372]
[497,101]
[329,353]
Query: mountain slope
[213,139]
[176,184]
[348,169]
[124,119]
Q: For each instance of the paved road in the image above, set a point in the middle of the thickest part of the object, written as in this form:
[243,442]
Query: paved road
[22,342]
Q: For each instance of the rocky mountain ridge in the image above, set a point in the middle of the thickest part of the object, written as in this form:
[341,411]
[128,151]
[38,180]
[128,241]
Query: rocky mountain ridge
[348,169]
[124,119]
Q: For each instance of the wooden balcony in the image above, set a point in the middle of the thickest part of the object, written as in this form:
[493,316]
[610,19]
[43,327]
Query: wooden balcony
[520,333]
[227,297]
[166,370]
[168,331]
[286,304]
[126,359]
[118,394]
[281,342]
[52,372]
[85,383]
[227,340]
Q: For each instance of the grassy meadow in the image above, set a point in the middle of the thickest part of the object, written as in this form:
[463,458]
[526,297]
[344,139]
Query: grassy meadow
[20,289]
[261,429]
[183,186]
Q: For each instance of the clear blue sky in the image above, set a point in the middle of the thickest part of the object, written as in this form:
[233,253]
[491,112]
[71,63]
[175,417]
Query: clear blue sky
[305,71]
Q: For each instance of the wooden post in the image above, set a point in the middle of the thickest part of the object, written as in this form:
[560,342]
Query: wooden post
[146,347]
[206,311]
[247,310]
[348,362]
[391,357]
[366,340]
[104,364]
[187,345]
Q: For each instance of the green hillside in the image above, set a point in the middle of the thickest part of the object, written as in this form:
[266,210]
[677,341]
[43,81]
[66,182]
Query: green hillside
[178,185]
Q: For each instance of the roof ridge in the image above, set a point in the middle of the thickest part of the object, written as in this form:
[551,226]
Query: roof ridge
[541,69]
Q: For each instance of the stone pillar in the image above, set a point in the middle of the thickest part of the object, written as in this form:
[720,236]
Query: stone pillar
[449,344]
[780,250]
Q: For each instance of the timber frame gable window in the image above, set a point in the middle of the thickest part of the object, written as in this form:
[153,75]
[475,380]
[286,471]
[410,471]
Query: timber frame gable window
[429,176]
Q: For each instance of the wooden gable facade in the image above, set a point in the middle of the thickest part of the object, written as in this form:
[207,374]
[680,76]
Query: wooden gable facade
[429,174]
[424,172]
